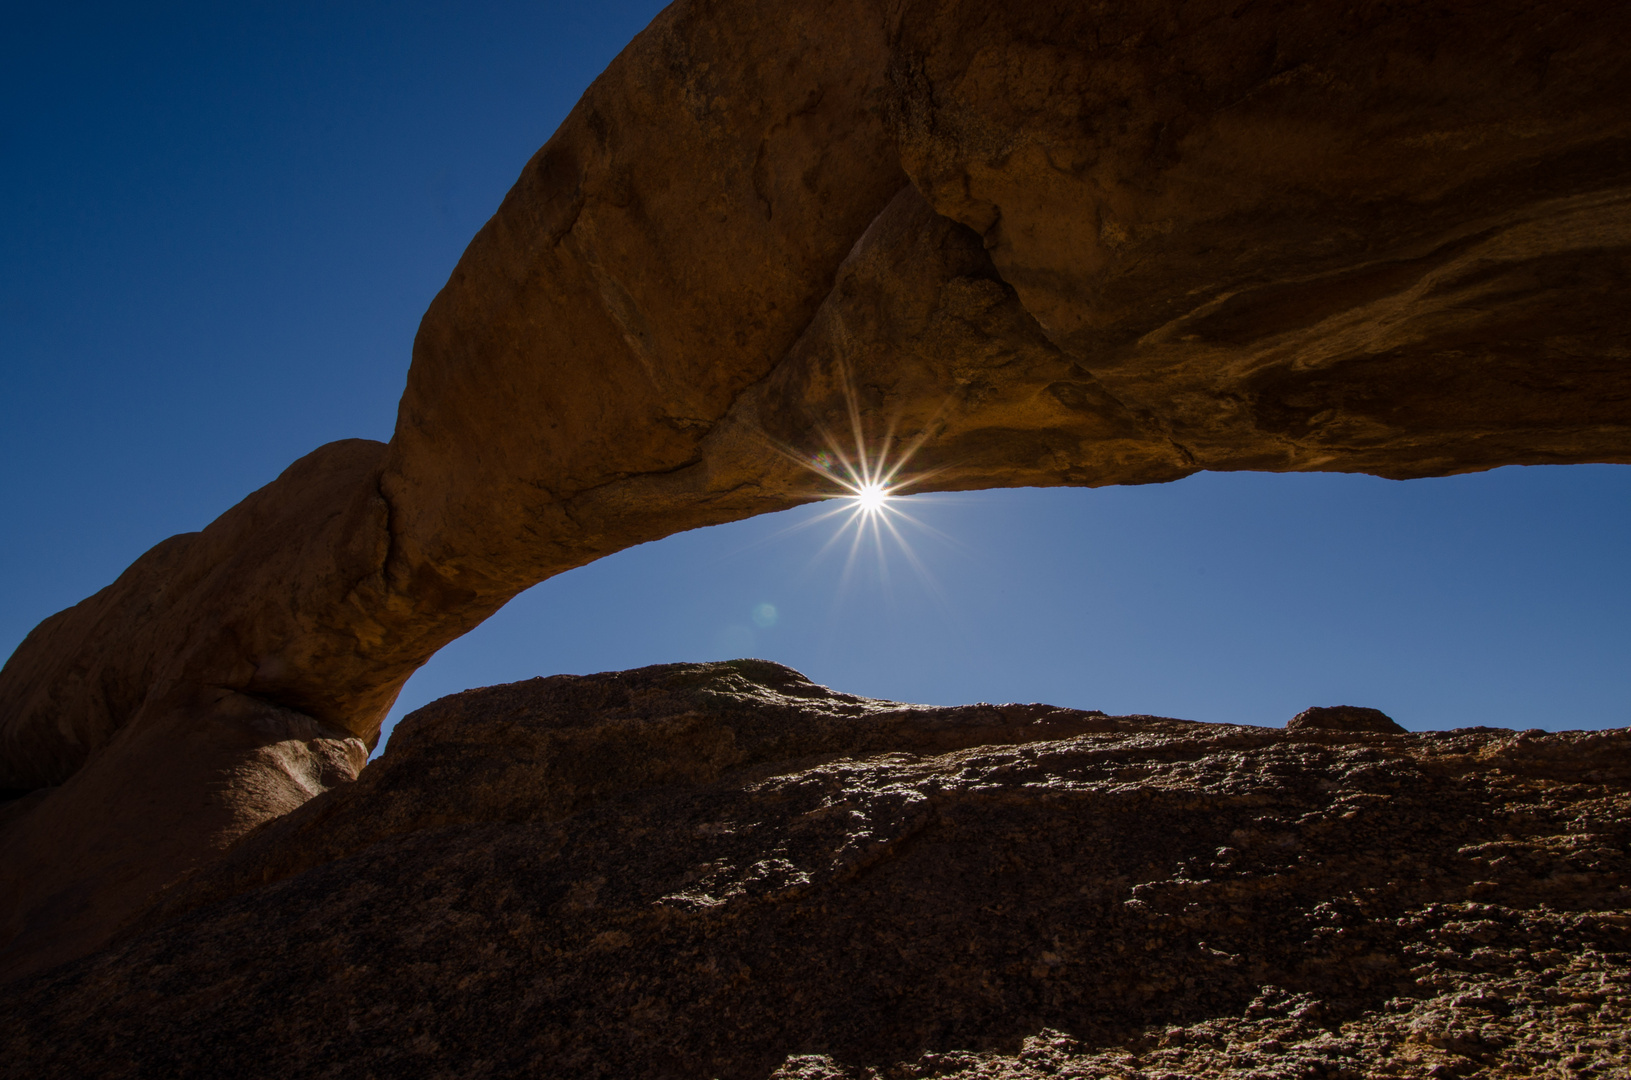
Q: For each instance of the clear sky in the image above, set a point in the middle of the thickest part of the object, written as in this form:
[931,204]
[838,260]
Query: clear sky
[222,222]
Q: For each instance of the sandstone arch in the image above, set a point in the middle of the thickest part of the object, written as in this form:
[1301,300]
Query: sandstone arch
[1124,242]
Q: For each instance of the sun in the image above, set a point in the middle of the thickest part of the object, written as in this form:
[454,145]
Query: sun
[866,483]
[869,497]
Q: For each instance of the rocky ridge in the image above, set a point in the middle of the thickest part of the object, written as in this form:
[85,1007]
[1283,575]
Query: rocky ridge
[1041,242]
[723,870]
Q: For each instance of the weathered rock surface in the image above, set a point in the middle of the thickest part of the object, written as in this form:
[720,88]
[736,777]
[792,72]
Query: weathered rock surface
[1344,718]
[1040,242]
[722,870]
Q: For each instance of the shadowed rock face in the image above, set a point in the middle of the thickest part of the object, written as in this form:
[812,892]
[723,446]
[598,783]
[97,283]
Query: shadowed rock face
[722,870]
[1045,243]
[1344,718]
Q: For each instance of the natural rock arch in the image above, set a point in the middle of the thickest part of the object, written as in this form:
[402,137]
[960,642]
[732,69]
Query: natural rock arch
[1060,244]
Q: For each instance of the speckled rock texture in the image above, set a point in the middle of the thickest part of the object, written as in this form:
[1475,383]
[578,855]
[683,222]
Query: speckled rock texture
[1344,718]
[722,870]
[1034,242]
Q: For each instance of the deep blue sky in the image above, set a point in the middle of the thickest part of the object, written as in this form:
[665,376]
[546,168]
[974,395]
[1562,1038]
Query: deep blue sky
[222,223]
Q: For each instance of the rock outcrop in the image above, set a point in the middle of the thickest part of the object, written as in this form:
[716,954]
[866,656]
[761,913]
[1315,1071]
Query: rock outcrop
[1344,718]
[722,870]
[1037,242]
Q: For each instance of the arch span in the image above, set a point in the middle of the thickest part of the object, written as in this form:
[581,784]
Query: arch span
[1054,243]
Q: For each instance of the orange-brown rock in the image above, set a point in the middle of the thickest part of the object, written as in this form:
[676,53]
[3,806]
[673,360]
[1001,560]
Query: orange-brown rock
[1045,243]
[1344,718]
[722,870]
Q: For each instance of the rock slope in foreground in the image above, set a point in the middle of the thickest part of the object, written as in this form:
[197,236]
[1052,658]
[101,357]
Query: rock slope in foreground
[723,870]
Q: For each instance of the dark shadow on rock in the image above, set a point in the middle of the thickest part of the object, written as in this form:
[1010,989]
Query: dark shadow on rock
[724,870]
[1344,718]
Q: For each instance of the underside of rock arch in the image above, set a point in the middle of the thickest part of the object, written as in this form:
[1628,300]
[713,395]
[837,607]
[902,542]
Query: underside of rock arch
[1040,243]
